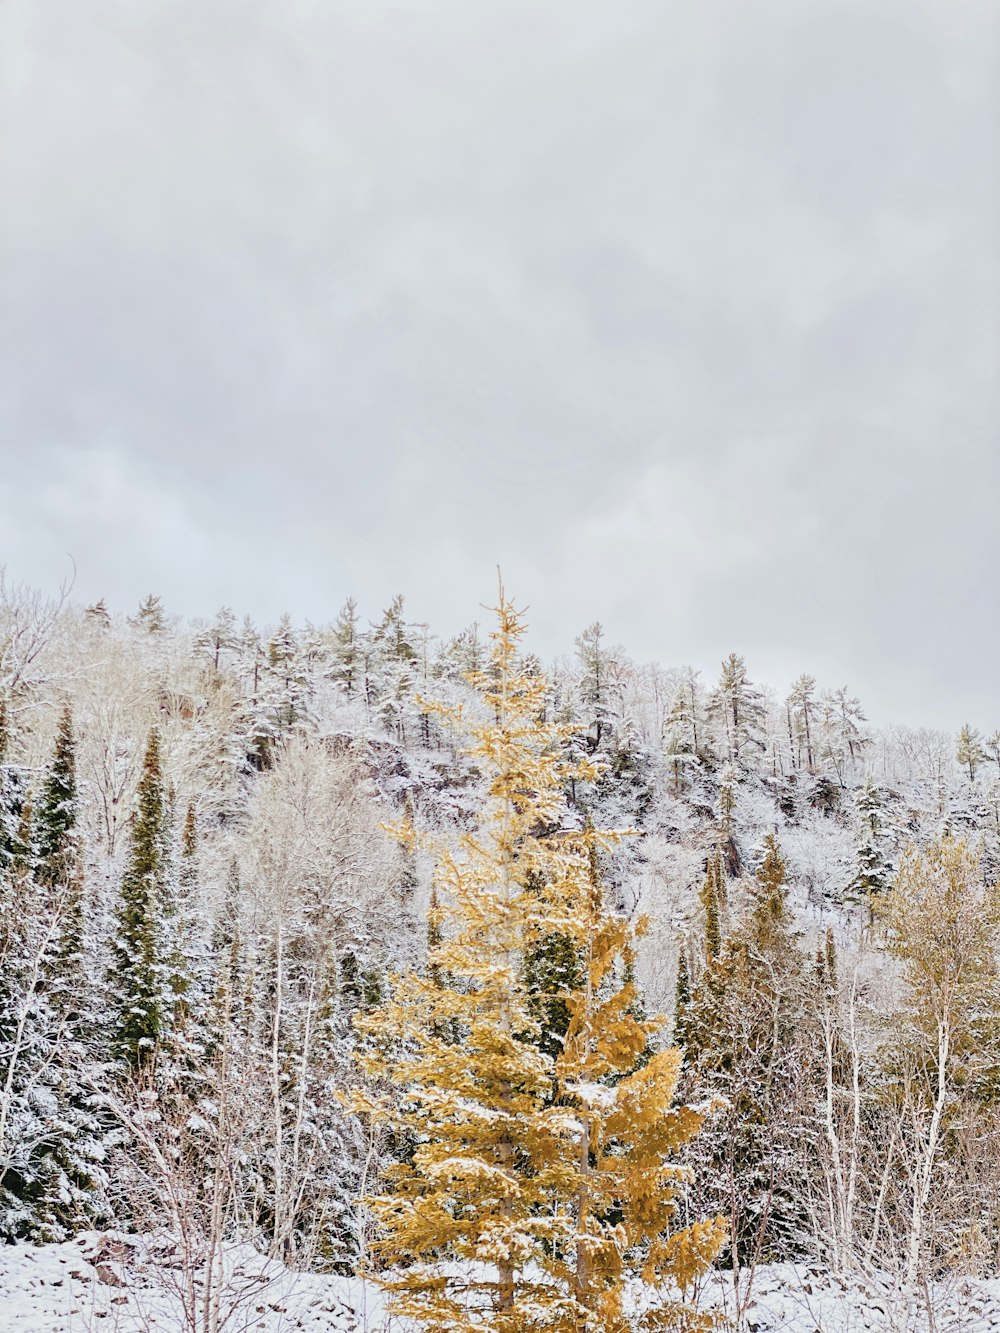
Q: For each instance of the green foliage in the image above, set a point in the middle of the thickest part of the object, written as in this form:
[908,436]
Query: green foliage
[872,871]
[746,1038]
[141,1016]
[56,810]
[710,896]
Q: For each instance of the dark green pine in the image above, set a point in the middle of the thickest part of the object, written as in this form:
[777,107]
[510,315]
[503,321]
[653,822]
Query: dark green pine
[140,1018]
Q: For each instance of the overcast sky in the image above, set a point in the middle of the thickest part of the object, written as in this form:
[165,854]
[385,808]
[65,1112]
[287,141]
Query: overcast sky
[688,314]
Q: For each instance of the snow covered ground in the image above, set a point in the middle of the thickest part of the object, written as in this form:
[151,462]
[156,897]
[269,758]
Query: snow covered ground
[93,1284]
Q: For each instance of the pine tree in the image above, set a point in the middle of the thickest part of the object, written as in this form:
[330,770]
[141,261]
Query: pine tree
[50,1138]
[746,1038]
[682,993]
[539,1172]
[871,870]
[391,675]
[970,753]
[842,741]
[801,706]
[464,654]
[12,797]
[187,951]
[597,683]
[58,855]
[219,638]
[56,810]
[738,708]
[681,726]
[346,649]
[552,972]
[709,895]
[771,912]
[150,616]
[98,614]
[138,948]
[727,801]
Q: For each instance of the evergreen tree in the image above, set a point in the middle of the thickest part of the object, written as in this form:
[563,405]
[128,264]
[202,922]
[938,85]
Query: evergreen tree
[58,861]
[187,949]
[746,1036]
[682,992]
[842,740]
[801,707]
[392,668]
[464,654]
[346,649]
[538,1170]
[737,707]
[12,796]
[138,980]
[970,753]
[710,896]
[681,731]
[56,810]
[552,972]
[51,1141]
[219,638]
[150,616]
[871,869]
[98,614]
[597,683]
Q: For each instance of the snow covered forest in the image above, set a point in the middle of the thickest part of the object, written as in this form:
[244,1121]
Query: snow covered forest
[545,994]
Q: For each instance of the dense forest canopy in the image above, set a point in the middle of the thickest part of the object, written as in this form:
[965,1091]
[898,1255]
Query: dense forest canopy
[217,861]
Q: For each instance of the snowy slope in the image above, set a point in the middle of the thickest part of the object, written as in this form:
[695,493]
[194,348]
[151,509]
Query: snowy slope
[73,1288]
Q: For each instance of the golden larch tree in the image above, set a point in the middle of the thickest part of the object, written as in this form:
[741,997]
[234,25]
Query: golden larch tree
[538,1183]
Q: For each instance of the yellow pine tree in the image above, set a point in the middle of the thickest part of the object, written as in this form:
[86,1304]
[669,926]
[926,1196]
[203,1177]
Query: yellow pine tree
[537,1183]
[625,1134]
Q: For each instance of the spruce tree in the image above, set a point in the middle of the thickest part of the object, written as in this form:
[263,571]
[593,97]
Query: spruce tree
[547,1177]
[871,870]
[969,752]
[58,868]
[150,617]
[681,741]
[186,931]
[346,649]
[737,707]
[747,1039]
[709,895]
[801,706]
[682,993]
[56,809]
[138,977]
[97,614]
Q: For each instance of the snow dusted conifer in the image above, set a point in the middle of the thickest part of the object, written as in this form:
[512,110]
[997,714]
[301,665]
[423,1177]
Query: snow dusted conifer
[546,1177]
[150,616]
[681,725]
[58,868]
[709,895]
[215,641]
[801,705]
[346,649]
[137,978]
[969,753]
[737,707]
[98,615]
[871,869]
[55,812]
[746,1039]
